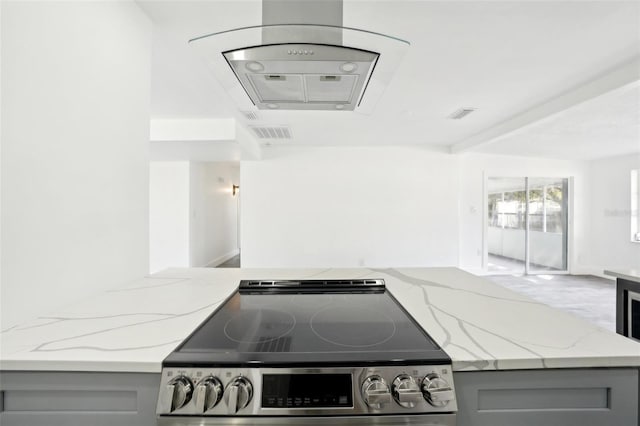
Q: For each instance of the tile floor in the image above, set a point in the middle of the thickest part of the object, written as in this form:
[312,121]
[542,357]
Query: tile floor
[586,296]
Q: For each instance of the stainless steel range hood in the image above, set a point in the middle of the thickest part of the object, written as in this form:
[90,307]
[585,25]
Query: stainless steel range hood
[303,76]
[302,58]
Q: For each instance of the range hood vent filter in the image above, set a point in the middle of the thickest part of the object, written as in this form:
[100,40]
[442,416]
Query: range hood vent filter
[281,89]
[331,88]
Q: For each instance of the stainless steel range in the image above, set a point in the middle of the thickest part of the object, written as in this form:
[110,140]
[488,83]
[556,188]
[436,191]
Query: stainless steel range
[311,352]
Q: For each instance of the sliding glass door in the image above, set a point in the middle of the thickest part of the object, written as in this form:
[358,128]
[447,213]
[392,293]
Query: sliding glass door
[506,225]
[526,225]
[547,224]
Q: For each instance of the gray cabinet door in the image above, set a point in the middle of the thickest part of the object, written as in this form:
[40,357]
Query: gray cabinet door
[580,397]
[78,399]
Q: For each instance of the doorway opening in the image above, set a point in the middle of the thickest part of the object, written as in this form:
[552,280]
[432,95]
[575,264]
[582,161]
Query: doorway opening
[527,225]
[194,214]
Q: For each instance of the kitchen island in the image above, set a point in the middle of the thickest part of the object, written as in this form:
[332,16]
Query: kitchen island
[516,361]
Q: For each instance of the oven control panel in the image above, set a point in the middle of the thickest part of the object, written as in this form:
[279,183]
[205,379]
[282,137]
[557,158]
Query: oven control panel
[306,391]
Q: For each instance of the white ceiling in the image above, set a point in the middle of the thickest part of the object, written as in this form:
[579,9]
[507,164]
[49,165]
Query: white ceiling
[502,58]
[605,126]
[181,85]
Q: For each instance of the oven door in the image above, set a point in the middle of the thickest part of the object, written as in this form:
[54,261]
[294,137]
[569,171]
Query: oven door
[446,419]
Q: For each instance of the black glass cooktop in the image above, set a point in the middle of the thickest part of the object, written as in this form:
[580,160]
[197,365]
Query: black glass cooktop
[292,328]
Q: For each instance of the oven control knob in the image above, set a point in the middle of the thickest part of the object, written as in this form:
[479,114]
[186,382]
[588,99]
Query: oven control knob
[208,393]
[375,392]
[406,391]
[179,391]
[437,391]
[238,394]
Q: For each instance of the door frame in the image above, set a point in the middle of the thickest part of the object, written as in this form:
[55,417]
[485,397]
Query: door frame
[485,225]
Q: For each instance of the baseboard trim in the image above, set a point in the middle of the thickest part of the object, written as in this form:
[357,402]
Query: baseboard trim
[221,259]
[591,270]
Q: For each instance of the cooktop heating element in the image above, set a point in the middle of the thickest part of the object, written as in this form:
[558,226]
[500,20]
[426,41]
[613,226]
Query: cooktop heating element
[310,349]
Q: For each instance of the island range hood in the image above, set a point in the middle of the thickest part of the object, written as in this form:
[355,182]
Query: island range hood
[302,58]
[303,76]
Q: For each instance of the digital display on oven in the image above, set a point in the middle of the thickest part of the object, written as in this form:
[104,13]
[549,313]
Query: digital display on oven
[306,390]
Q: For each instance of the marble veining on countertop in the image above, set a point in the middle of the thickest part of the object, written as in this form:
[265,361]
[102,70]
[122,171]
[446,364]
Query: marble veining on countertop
[481,325]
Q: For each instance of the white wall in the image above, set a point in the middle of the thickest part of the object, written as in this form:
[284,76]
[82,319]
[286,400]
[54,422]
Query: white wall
[346,207]
[609,230]
[193,216]
[214,212]
[474,168]
[169,212]
[75,126]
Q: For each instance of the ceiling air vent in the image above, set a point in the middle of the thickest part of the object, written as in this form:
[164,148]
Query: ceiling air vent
[250,115]
[461,113]
[272,132]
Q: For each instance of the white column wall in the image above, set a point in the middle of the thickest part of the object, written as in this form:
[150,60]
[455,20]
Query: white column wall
[349,207]
[75,129]
[169,213]
[610,206]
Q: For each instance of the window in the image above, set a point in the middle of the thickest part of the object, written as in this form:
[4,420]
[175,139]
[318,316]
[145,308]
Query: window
[635,200]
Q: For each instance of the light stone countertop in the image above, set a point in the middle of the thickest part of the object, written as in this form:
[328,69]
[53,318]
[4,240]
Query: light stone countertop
[481,325]
[625,274]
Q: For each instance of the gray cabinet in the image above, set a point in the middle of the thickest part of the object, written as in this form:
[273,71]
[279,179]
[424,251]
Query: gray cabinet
[580,397]
[32,398]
